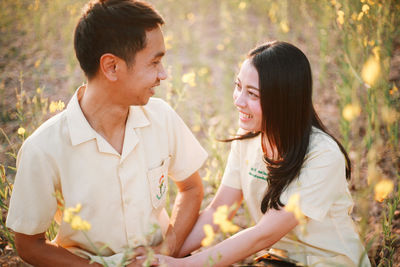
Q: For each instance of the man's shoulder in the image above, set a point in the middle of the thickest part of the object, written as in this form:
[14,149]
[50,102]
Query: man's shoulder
[51,129]
[158,109]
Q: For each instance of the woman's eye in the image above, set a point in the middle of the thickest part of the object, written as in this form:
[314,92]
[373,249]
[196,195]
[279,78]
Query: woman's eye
[252,94]
[237,86]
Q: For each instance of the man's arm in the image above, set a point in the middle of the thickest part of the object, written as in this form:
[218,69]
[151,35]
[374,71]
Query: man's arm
[184,213]
[225,196]
[38,251]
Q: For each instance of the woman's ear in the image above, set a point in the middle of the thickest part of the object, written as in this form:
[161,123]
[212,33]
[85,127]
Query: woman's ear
[108,65]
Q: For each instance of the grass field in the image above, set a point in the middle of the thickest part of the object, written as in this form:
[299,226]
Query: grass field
[351,45]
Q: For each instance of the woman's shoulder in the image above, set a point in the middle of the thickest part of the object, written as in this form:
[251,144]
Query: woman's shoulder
[322,144]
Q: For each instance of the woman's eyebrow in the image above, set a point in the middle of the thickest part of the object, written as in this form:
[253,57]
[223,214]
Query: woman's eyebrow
[252,87]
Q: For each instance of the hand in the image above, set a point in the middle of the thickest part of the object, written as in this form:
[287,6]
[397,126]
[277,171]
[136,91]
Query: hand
[136,263]
[163,260]
[136,260]
[168,246]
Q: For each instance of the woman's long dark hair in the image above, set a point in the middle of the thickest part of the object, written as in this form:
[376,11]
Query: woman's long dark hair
[288,115]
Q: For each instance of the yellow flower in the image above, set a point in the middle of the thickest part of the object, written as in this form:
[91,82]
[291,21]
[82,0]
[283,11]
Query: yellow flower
[340,17]
[56,106]
[203,71]
[293,206]
[371,70]
[360,15]
[208,230]
[190,16]
[284,26]
[242,5]
[78,224]
[393,90]
[220,47]
[167,41]
[189,78]
[221,214]
[351,111]
[68,215]
[228,227]
[38,91]
[21,131]
[383,189]
[365,8]
[37,63]
[221,218]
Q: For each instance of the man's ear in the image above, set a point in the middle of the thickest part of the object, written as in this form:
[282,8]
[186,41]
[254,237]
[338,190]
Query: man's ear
[108,66]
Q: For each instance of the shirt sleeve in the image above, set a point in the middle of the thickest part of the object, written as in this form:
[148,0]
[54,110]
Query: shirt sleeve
[321,182]
[33,204]
[187,155]
[231,175]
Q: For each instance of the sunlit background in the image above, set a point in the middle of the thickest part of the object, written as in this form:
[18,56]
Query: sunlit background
[353,47]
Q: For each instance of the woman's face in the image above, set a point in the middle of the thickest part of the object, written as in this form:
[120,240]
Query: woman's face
[247,98]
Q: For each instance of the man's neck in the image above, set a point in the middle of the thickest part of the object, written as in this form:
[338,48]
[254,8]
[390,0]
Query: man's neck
[106,117]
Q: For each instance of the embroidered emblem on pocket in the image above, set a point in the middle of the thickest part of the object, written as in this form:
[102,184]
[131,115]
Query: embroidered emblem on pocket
[162,187]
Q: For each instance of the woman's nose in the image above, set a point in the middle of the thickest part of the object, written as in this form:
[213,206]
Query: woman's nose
[239,99]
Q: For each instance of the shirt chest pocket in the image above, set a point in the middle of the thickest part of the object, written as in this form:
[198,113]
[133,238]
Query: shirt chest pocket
[158,183]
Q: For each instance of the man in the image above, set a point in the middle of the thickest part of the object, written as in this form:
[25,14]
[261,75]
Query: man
[111,150]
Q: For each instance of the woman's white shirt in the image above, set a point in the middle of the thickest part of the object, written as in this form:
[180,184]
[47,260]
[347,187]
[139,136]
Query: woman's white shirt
[329,234]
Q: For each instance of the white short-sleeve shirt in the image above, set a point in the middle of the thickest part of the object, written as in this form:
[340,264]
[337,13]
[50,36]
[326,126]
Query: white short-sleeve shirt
[122,196]
[330,236]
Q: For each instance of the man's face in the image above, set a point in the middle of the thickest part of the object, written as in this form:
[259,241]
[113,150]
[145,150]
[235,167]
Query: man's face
[137,82]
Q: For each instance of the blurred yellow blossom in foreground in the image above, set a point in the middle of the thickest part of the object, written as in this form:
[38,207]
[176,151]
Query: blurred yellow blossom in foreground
[383,189]
[340,17]
[21,131]
[189,78]
[351,111]
[365,8]
[56,106]
[293,206]
[71,216]
[221,218]
[372,68]
[208,230]
[284,26]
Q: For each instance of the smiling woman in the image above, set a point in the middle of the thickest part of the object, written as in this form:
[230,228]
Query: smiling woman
[282,157]
[247,98]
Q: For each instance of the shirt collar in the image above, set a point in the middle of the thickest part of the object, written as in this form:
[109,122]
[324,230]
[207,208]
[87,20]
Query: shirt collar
[80,129]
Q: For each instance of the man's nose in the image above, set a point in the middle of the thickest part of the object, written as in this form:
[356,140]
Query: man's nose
[162,75]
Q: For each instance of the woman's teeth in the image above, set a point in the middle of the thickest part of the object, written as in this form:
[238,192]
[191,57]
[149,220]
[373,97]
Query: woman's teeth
[246,116]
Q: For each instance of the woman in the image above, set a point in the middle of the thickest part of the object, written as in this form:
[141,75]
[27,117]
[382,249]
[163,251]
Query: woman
[283,151]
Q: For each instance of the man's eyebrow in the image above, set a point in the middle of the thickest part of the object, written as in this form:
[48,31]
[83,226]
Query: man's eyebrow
[159,54]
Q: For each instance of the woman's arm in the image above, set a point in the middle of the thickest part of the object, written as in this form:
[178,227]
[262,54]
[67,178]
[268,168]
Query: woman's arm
[274,225]
[225,196]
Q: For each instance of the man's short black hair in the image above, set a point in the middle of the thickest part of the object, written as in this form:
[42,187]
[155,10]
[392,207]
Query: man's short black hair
[112,26]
